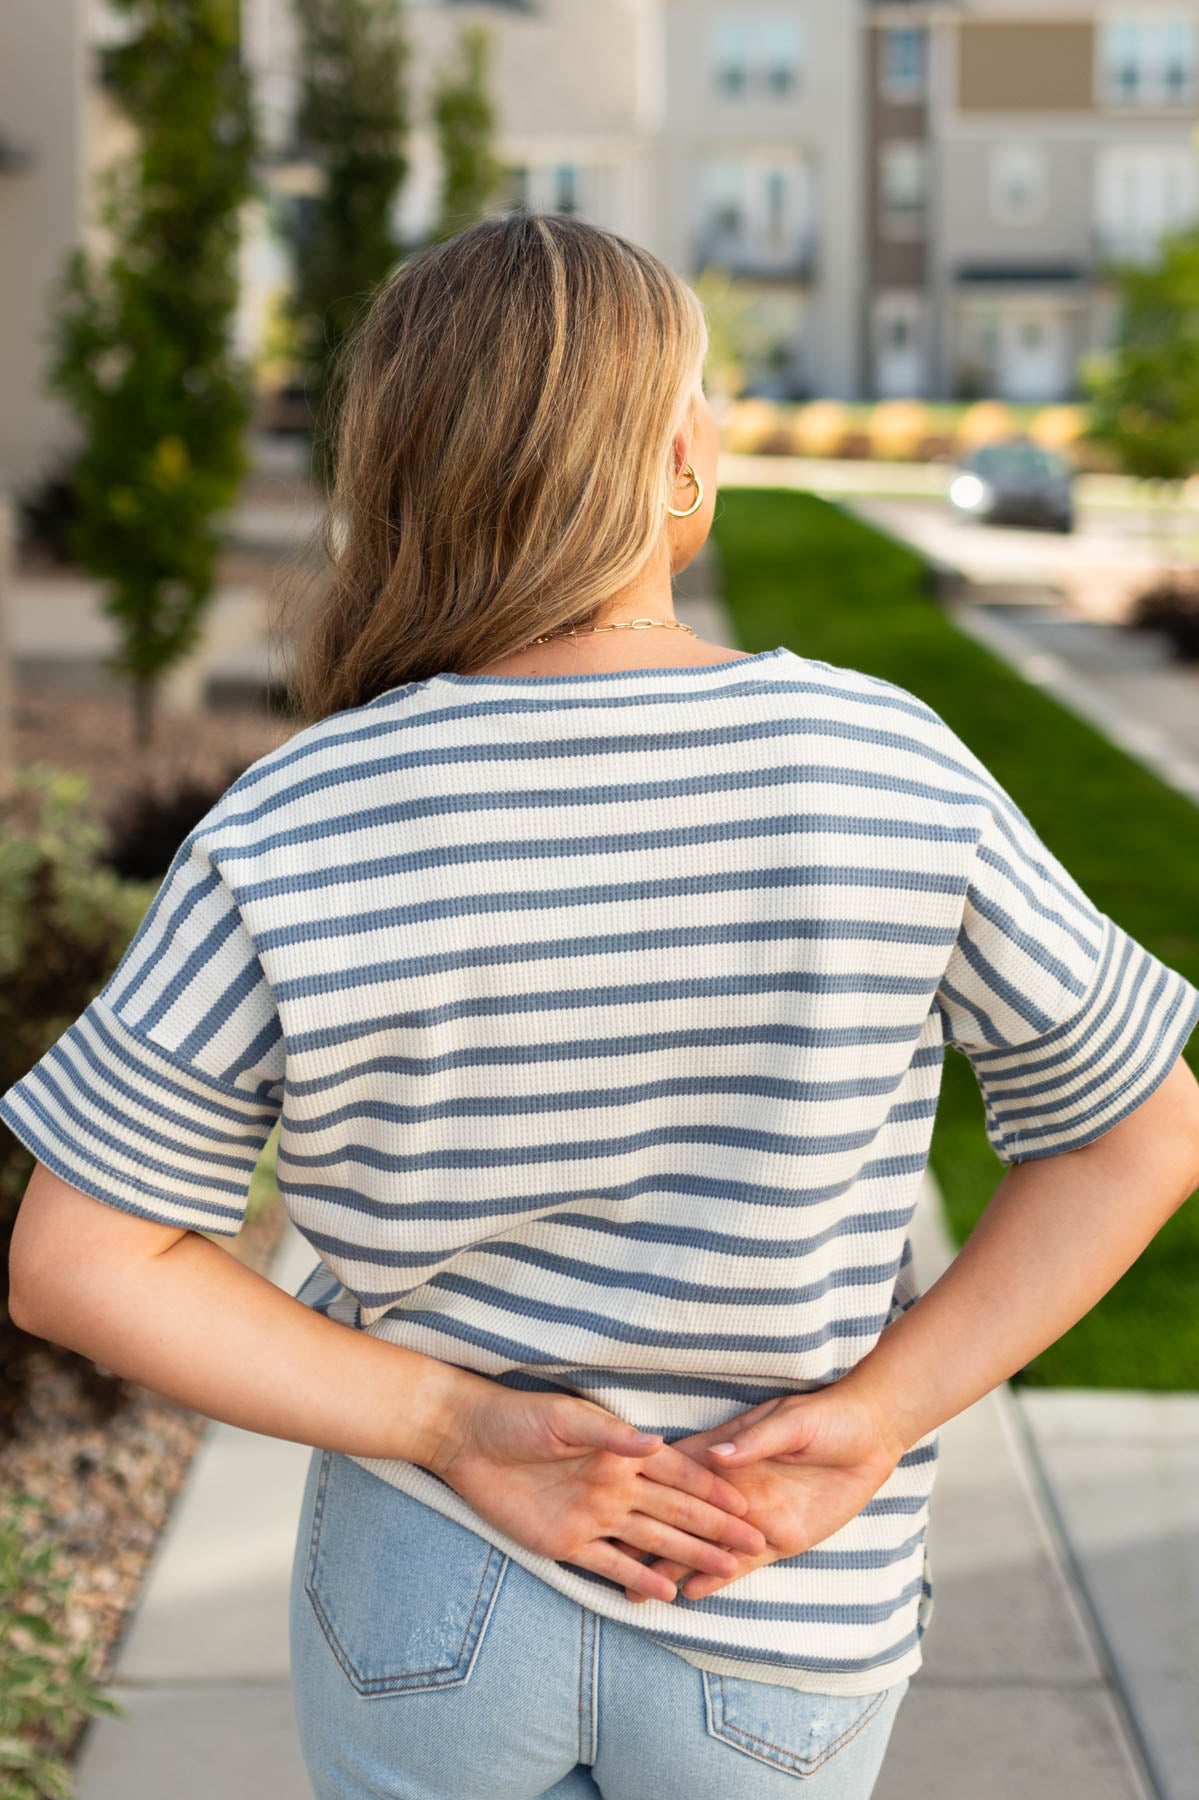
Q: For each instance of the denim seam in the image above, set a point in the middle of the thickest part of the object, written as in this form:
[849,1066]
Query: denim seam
[582,1639]
[596,1631]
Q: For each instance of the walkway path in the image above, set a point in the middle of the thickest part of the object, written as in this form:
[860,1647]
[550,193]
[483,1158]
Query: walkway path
[1015,1696]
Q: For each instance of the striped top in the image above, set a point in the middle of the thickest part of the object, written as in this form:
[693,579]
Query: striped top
[604,1017]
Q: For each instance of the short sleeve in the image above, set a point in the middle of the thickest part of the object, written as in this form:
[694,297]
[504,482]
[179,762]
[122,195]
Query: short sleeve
[1069,1023]
[160,1096]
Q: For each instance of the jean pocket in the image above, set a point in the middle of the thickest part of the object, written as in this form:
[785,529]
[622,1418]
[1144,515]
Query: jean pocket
[786,1727]
[402,1594]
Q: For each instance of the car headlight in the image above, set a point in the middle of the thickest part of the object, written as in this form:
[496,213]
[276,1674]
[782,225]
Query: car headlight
[969,491]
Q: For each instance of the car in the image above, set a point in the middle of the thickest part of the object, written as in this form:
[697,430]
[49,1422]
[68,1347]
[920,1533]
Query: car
[1015,482]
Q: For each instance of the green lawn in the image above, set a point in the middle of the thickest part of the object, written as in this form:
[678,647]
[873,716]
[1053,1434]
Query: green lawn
[803,573]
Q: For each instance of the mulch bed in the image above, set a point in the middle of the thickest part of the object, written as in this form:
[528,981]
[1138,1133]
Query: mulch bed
[92,734]
[109,1456]
[110,1464]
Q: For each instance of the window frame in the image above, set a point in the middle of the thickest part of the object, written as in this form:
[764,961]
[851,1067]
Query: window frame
[907,225]
[1153,93]
[1007,215]
[900,92]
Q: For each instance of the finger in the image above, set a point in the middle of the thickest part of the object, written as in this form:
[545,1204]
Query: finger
[686,1513]
[783,1431]
[675,1469]
[666,1540]
[696,1585]
[605,1559]
[673,1571]
[592,1428]
[700,1586]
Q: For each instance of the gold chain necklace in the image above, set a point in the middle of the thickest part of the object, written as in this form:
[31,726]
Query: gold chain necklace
[621,625]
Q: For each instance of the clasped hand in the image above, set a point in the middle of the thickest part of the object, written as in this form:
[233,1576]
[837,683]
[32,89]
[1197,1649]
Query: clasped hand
[804,1463]
[569,1480]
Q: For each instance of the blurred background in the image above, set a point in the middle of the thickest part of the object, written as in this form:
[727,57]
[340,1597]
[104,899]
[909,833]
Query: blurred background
[949,252]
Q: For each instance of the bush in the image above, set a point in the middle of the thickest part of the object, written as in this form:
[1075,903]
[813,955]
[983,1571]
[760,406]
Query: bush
[821,428]
[899,430]
[65,922]
[1171,607]
[147,826]
[1058,427]
[984,423]
[45,1691]
[751,426]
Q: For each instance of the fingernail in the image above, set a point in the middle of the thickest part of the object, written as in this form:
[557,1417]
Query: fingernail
[723,1449]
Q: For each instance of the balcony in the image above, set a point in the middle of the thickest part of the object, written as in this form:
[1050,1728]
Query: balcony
[791,260]
[1133,243]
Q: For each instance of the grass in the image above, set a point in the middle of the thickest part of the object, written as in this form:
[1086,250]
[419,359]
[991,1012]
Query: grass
[801,572]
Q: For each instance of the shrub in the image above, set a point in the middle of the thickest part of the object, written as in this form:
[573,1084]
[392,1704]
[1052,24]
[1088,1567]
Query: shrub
[1058,427]
[1171,607]
[984,423]
[821,428]
[65,921]
[147,825]
[46,1691]
[750,426]
[899,430]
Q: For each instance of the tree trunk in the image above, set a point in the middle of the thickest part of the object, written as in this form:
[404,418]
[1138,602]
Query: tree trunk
[7,685]
[144,710]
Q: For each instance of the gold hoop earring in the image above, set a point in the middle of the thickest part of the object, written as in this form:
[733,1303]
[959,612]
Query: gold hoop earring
[686,512]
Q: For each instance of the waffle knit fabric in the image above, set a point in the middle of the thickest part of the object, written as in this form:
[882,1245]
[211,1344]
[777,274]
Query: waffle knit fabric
[604,1016]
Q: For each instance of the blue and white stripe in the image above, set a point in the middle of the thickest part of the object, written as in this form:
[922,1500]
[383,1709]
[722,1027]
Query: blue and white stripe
[604,1019]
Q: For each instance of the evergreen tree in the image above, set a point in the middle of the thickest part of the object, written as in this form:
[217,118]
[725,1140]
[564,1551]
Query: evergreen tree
[142,336]
[1145,395]
[352,122]
[465,120]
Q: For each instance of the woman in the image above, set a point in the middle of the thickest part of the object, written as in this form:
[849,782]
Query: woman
[601,979]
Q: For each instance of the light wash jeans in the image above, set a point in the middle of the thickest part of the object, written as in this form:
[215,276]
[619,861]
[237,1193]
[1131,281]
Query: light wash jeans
[427,1665]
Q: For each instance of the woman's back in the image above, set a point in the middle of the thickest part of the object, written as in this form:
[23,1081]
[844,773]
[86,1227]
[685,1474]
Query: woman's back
[605,1015]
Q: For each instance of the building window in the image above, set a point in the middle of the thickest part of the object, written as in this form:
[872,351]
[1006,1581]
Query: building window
[571,188]
[1149,61]
[903,64]
[1142,193]
[1019,184]
[756,58]
[903,184]
[755,214]
[730,61]
[778,56]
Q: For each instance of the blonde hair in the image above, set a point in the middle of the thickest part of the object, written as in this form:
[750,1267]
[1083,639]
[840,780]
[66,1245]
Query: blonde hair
[504,451]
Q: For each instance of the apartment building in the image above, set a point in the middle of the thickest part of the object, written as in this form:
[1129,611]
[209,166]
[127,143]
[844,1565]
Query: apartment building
[760,174]
[717,133]
[43,116]
[1017,149]
[915,196]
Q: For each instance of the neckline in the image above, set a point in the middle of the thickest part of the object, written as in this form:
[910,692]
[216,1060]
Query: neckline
[731,662]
